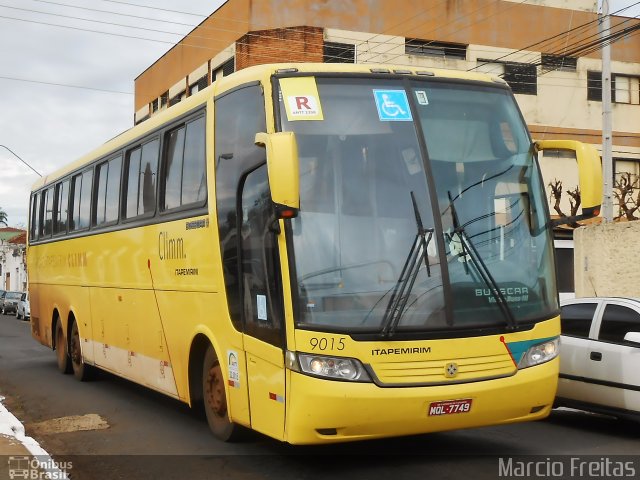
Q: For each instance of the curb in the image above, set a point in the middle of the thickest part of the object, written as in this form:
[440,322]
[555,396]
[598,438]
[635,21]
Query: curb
[11,427]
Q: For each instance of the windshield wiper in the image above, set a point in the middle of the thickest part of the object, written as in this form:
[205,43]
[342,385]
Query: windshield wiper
[402,290]
[469,251]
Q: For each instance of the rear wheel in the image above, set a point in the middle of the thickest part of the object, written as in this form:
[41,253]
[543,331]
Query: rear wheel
[81,370]
[62,352]
[215,399]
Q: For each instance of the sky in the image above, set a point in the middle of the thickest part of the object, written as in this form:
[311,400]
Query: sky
[45,55]
[50,125]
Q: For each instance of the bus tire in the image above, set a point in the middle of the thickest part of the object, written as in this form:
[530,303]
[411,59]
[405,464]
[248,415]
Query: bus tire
[215,399]
[81,370]
[62,351]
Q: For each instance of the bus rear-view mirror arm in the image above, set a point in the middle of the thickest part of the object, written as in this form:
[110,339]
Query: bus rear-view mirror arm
[283,170]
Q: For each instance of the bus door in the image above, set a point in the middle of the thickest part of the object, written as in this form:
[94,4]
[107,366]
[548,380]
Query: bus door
[262,308]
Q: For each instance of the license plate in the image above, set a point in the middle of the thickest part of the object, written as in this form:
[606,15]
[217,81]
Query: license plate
[450,407]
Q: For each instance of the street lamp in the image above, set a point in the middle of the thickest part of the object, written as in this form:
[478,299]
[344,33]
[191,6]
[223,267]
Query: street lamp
[18,157]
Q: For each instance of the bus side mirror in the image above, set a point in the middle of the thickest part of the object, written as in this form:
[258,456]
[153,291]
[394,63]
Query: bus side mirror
[283,170]
[589,172]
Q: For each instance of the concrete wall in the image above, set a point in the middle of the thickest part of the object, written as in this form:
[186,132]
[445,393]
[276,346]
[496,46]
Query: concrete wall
[606,262]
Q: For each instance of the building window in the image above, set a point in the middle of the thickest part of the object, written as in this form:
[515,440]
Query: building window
[224,70]
[154,106]
[333,52]
[164,99]
[626,89]
[198,85]
[415,46]
[594,86]
[521,77]
[560,63]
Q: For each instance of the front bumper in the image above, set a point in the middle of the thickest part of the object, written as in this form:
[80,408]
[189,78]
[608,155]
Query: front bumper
[323,411]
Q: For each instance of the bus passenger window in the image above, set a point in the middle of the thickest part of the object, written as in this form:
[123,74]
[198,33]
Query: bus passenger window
[60,219]
[35,220]
[47,213]
[108,194]
[184,173]
[140,180]
[81,206]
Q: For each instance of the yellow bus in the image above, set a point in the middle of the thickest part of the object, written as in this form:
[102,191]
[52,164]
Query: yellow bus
[320,253]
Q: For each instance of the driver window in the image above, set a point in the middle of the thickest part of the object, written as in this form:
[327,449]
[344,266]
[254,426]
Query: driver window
[261,283]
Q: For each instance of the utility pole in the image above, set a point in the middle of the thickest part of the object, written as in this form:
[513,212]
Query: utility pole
[607,120]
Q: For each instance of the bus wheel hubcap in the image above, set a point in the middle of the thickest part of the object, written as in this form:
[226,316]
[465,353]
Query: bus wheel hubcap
[215,391]
[75,350]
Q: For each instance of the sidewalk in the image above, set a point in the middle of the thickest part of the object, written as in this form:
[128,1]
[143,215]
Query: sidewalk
[18,449]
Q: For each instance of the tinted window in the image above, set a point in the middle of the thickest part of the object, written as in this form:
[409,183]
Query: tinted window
[617,321]
[62,206]
[184,172]
[108,194]
[35,219]
[564,270]
[240,115]
[132,181]
[260,279]
[140,182]
[46,226]
[81,200]
[576,319]
[173,169]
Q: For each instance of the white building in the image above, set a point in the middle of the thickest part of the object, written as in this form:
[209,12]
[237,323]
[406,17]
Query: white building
[13,259]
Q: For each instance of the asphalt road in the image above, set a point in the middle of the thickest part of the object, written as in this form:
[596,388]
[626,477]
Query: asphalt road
[152,436]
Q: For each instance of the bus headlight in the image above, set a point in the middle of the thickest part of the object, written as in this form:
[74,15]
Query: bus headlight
[540,353]
[335,368]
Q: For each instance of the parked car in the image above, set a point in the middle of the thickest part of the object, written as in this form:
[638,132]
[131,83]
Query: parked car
[23,311]
[10,302]
[600,355]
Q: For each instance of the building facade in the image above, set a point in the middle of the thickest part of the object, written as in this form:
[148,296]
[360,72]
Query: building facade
[547,50]
[13,260]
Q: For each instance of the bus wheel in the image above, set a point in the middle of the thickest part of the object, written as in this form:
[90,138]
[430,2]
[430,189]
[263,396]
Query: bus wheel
[81,370]
[62,352]
[215,399]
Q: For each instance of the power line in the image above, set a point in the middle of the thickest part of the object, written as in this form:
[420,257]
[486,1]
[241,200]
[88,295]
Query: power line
[211,38]
[27,80]
[19,158]
[129,4]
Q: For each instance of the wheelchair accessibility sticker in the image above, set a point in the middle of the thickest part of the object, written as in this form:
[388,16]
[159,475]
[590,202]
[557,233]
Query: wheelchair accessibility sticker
[393,105]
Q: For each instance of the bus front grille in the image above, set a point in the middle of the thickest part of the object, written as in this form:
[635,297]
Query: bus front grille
[443,371]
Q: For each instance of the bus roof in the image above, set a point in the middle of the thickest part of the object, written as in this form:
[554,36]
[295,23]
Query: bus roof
[246,75]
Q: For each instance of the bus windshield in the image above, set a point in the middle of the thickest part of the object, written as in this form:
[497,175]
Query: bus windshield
[421,208]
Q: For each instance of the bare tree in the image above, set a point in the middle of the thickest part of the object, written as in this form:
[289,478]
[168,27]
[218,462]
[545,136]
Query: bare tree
[626,190]
[556,196]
